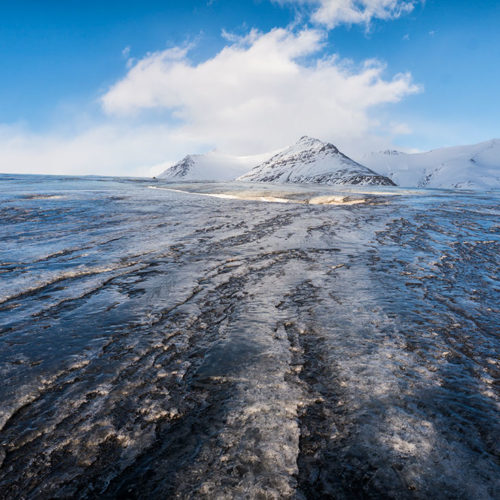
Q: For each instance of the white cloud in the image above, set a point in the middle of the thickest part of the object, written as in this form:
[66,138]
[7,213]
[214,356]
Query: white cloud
[260,92]
[331,13]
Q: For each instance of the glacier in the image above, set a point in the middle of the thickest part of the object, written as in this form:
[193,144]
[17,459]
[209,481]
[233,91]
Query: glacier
[203,340]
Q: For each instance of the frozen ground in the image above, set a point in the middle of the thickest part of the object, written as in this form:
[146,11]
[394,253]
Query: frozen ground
[156,343]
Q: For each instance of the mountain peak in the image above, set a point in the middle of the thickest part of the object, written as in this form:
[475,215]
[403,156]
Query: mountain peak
[306,138]
[312,160]
[306,141]
[211,166]
[311,143]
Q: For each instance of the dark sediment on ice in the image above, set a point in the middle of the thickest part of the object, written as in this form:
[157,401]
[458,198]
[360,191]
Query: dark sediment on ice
[184,346]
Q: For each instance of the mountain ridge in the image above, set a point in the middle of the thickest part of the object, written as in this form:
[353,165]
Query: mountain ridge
[311,160]
[475,166]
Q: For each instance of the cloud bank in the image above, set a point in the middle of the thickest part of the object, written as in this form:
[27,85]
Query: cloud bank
[104,149]
[260,92]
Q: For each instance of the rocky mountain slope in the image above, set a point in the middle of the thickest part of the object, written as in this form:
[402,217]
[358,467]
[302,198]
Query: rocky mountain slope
[313,161]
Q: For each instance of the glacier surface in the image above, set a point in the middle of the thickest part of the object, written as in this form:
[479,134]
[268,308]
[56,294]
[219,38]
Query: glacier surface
[206,341]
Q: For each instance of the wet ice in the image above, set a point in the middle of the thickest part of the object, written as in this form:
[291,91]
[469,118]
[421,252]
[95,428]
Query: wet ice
[162,343]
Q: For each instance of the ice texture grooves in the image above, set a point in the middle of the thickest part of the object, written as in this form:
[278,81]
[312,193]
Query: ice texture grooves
[162,344]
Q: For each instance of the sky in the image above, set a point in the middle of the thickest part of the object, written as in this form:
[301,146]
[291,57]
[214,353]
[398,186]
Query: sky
[130,87]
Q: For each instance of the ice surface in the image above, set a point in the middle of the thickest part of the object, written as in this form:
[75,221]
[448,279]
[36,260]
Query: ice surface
[193,341]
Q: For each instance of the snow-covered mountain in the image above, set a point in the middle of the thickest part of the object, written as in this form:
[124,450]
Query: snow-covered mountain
[212,166]
[469,167]
[313,161]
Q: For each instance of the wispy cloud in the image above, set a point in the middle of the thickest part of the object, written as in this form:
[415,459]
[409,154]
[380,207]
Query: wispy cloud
[331,13]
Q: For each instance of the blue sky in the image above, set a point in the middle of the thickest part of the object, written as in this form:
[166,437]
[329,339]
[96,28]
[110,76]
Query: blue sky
[74,71]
